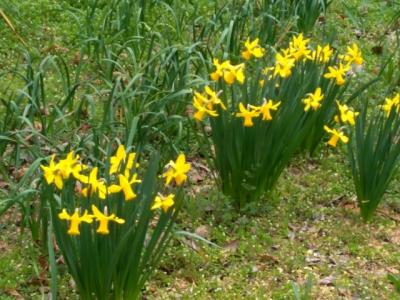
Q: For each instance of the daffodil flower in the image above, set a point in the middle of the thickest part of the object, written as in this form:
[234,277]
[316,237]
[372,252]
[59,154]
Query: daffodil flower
[252,49]
[177,170]
[335,136]
[247,114]
[125,185]
[75,220]
[95,185]
[299,47]
[214,99]
[117,159]
[163,202]
[265,109]
[322,54]
[338,73]
[391,103]
[346,114]
[70,165]
[284,63]
[313,100]
[228,72]
[353,55]
[52,173]
[201,106]
[104,219]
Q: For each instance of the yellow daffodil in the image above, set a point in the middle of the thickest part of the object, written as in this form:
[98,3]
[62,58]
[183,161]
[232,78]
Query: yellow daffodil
[234,73]
[346,115]
[163,202]
[75,220]
[121,157]
[104,219]
[247,114]
[265,109]
[130,163]
[322,54]
[125,185]
[335,136]
[213,98]
[338,73]
[230,73]
[299,47]
[353,55]
[95,185]
[313,100]
[252,49]
[391,103]
[177,170]
[70,165]
[117,159]
[200,103]
[284,63]
[52,174]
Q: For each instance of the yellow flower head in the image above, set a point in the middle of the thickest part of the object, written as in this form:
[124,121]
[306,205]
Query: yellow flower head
[322,54]
[338,73]
[203,107]
[177,170]
[335,136]
[230,73]
[252,49]
[265,109]
[70,165]
[94,185]
[125,185]
[313,100]
[391,103]
[104,219]
[214,98]
[284,63]
[53,174]
[353,55]
[163,202]
[247,114]
[299,47]
[75,220]
[346,115]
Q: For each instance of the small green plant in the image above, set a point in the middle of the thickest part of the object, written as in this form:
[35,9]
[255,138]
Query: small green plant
[374,154]
[303,292]
[108,229]
[395,279]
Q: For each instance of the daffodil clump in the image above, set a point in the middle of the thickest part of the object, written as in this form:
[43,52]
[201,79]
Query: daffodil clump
[112,220]
[268,105]
[374,152]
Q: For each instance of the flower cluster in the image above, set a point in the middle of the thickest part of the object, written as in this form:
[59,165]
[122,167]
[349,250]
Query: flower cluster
[207,103]
[122,171]
[346,116]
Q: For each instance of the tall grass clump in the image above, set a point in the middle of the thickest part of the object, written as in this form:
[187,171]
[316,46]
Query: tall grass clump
[374,153]
[262,113]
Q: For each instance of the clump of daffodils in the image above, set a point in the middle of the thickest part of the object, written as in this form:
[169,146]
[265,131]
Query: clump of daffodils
[266,106]
[209,102]
[124,178]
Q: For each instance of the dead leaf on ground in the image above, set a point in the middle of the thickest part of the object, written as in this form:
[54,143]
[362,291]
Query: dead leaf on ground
[14,293]
[231,246]
[328,281]
[203,231]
